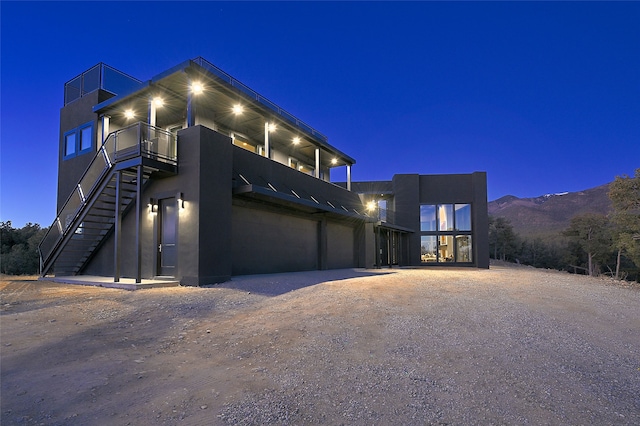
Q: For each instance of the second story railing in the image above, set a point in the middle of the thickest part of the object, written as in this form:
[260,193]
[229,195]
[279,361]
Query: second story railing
[142,139]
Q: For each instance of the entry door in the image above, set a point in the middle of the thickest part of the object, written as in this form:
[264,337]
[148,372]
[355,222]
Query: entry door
[167,233]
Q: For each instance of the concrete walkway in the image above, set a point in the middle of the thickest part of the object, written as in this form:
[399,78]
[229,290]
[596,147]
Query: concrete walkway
[124,283]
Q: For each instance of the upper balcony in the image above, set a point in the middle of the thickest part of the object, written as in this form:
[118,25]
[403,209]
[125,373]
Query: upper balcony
[196,92]
[101,76]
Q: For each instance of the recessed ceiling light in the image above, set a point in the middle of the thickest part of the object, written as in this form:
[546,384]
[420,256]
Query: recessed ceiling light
[296,140]
[197,88]
[238,109]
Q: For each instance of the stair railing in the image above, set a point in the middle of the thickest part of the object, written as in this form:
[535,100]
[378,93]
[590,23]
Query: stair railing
[135,140]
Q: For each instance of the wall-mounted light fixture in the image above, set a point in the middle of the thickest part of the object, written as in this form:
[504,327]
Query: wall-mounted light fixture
[153,206]
[180,200]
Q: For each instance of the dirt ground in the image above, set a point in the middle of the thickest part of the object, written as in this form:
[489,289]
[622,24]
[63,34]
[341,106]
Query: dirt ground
[509,345]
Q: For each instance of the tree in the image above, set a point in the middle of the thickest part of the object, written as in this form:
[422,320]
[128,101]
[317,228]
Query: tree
[625,196]
[19,248]
[541,254]
[502,239]
[593,233]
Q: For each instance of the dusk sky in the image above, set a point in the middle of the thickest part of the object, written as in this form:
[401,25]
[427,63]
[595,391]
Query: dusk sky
[544,97]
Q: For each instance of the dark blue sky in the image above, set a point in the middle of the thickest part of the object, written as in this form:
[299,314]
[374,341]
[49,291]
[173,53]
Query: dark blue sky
[544,97]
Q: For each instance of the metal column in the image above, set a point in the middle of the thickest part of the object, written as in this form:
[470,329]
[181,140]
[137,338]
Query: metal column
[138,220]
[191,109]
[267,147]
[117,231]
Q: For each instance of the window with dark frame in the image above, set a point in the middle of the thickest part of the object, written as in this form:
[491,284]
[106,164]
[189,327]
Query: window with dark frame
[78,141]
[445,233]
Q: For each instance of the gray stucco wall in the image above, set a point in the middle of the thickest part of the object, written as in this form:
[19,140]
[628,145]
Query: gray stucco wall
[73,115]
[413,190]
[203,230]
[269,241]
[341,246]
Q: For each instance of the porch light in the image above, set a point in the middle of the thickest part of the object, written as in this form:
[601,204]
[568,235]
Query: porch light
[296,140]
[197,88]
[334,161]
[158,102]
[153,206]
[238,109]
[272,127]
[128,114]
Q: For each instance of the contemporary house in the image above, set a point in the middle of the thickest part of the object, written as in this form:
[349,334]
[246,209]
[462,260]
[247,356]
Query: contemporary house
[194,176]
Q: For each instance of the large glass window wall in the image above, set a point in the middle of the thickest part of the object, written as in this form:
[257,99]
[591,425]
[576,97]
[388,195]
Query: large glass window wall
[446,233]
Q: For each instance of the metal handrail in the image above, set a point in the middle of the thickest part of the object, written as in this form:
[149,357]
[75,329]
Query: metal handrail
[258,97]
[142,143]
[77,87]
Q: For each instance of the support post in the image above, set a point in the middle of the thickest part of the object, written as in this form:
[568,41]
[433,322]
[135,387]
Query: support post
[348,177]
[191,109]
[267,147]
[317,169]
[105,127]
[152,112]
[117,234]
[378,247]
[138,220]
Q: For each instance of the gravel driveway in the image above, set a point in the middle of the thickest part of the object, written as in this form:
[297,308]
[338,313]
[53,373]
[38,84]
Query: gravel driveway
[509,345]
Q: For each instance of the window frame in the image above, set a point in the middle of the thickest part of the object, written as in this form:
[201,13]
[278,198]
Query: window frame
[451,233]
[65,146]
[78,133]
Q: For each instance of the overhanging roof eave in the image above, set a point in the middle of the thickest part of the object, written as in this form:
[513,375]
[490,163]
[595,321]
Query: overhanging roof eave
[289,199]
[119,98]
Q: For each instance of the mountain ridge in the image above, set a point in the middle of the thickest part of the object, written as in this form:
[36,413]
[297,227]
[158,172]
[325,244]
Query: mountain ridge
[548,215]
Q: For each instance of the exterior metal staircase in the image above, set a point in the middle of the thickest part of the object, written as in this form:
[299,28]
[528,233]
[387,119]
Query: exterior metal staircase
[109,188]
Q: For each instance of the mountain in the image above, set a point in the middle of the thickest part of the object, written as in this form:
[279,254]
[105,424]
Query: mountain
[549,214]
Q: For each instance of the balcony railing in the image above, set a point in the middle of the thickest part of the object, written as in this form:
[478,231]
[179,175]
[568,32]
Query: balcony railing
[100,76]
[256,96]
[139,139]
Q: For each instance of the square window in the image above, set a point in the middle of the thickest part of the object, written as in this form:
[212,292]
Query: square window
[463,217]
[86,138]
[69,144]
[463,248]
[445,248]
[427,217]
[428,248]
[445,217]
